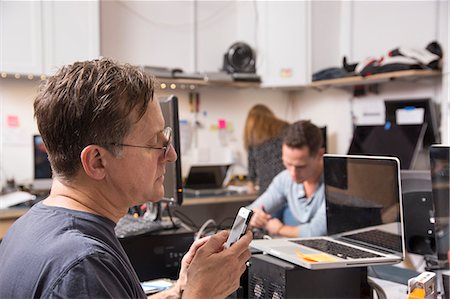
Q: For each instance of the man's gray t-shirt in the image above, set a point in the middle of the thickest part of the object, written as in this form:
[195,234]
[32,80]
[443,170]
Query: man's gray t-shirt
[309,213]
[57,252]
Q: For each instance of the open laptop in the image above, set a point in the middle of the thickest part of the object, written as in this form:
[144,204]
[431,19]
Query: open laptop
[206,180]
[364,217]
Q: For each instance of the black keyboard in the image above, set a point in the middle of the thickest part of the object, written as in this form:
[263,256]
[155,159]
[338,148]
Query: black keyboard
[130,226]
[378,238]
[336,249]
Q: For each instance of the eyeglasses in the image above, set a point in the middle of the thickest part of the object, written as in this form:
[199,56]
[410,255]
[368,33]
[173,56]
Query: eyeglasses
[167,135]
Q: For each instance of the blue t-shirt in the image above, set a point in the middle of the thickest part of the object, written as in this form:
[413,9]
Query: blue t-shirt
[57,252]
[309,213]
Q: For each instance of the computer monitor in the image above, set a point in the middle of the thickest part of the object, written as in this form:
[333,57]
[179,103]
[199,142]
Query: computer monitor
[429,116]
[173,184]
[440,183]
[42,179]
[418,211]
[323,130]
[401,141]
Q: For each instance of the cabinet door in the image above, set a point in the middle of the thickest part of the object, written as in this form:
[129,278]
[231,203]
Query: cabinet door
[71,32]
[20,37]
[285,43]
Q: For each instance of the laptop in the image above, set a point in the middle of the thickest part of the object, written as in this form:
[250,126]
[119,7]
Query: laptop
[364,217]
[206,180]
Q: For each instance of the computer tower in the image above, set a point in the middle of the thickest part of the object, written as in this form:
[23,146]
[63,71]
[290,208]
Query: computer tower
[158,254]
[269,277]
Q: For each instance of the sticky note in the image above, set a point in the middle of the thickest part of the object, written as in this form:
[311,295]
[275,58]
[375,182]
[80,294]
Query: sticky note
[315,257]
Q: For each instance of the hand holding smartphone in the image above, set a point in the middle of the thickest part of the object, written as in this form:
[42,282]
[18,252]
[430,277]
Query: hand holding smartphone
[239,226]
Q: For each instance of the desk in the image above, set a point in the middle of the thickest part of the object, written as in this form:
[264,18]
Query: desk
[220,208]
[199,209]
[7,218]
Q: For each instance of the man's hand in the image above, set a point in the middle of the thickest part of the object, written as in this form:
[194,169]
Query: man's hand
[274,226]
[186,262]
[259,218]
[214,272]
[176,291]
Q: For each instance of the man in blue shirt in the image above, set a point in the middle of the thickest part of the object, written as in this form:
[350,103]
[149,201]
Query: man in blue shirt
[300,186]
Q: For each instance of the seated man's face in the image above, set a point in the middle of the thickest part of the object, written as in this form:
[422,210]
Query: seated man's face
[300,164]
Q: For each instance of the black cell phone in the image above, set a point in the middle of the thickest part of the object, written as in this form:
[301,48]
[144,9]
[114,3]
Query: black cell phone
[239,226]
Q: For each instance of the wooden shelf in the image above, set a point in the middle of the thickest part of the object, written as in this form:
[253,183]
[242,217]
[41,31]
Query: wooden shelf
[187,201]
[165,83]
[191,84]
[375,79]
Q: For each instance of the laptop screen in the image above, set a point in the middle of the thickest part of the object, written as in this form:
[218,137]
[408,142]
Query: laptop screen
[361,192]
[206,177]
[440,183]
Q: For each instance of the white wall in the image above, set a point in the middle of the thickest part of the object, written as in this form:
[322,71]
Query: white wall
[231,105]
[16,152]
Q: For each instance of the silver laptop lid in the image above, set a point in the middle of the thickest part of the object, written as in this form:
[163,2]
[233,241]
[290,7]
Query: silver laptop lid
[364,193]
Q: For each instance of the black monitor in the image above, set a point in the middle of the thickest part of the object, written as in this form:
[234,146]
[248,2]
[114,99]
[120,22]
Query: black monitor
[429,118]
[42,179]
[440,182]
[401,141]
[324,138]
[173,184]
[418,211]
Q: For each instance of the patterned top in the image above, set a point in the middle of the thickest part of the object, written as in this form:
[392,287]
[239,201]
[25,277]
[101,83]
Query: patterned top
[264,162]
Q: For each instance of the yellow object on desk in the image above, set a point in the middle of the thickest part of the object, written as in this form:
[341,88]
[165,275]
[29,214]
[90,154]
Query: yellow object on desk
[315,257]
[417,294]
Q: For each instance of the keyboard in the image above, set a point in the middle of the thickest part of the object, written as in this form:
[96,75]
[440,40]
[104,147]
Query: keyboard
[130,226]
[336,249]
[378,238]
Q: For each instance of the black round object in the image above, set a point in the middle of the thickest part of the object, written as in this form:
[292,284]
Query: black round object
[239,59]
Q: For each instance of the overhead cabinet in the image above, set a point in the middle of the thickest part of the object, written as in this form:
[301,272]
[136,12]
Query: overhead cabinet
[284,30]
[39,36]
[21,37]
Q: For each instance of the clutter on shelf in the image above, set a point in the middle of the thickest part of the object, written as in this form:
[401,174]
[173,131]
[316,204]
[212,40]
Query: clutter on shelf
[398,59]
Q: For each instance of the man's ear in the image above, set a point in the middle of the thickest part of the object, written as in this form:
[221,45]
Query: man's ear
[93,161]
[321,152]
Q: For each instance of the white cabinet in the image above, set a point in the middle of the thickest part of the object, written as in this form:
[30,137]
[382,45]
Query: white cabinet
[71,32]
[39,36]
[284,52]
[20,37]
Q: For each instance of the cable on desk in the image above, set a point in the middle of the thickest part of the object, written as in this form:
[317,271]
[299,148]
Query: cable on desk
[169,213]
[381,294]
[220,224]
[186,220]
[203,228]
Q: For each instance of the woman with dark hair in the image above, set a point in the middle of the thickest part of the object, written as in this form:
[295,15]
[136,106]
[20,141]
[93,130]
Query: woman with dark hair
[262,140]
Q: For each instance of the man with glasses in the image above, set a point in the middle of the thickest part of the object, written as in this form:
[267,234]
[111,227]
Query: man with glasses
[300,186]
[108,149]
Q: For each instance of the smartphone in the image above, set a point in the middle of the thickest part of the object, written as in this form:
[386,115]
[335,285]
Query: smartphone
[239,226]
